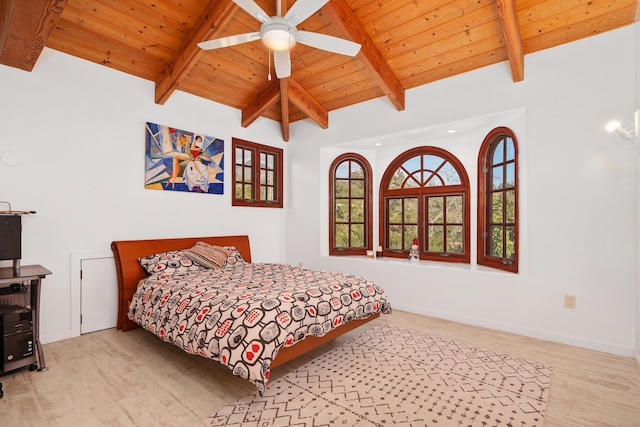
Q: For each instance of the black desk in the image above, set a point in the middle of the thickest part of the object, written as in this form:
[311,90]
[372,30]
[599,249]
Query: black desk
[30,276]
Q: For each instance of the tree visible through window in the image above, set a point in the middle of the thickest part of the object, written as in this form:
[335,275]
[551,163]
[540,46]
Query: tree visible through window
[350,206]
[257,178]
[445,224]
[424,194]
[498,201]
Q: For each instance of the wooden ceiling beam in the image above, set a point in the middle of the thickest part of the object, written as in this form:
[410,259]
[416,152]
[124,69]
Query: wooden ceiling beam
[25,27]
[511,34]
[265,100]
[348,24]
[284,107]
[308,104]
[209,25]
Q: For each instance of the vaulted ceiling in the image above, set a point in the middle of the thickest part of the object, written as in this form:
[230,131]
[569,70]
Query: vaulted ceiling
[405,43]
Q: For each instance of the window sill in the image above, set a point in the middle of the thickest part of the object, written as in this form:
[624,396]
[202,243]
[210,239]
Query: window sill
[421,264]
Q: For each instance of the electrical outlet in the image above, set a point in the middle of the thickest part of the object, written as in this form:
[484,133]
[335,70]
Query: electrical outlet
[569,301]
[300,264]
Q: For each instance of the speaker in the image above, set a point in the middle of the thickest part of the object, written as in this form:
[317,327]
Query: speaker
[10,237]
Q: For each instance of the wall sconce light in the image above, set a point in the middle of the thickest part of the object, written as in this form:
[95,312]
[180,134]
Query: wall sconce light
[629,133]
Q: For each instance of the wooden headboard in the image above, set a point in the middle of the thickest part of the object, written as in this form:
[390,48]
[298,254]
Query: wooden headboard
[130,272]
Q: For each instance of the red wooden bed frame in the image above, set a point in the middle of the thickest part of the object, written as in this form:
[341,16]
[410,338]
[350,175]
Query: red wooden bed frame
[130,272]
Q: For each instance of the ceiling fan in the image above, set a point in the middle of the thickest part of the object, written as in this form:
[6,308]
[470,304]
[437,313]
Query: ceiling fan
[279,33]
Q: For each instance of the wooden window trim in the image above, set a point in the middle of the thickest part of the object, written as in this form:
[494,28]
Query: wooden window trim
[255,170]
[368,221]
[462,188]
[483,258]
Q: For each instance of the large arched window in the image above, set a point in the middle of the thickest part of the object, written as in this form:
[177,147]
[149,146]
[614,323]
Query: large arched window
[498,200]
[350,211]
[424,197]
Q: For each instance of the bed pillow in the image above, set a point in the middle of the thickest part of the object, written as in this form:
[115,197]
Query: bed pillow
[213,256]
[170,262]
[236,257]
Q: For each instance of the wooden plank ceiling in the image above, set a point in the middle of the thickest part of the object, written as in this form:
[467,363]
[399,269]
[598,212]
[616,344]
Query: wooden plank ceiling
[405,43]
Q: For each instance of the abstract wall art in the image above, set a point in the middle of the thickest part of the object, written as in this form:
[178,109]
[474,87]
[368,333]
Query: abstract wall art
[180,160]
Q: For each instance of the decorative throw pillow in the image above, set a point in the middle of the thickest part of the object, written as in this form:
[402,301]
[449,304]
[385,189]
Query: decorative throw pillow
[213,256]
[170,262]
[235,257]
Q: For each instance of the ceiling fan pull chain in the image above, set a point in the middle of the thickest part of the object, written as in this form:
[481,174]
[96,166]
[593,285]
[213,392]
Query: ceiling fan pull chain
[269,54]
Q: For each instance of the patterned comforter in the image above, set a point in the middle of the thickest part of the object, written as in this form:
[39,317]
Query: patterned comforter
[241,315]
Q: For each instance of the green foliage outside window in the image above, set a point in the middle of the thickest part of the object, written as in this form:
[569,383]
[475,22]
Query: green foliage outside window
[502,217]
[243,170]
[349,205]
[445,227]
[267,176]
[257,175]
[403,222]
[426,200]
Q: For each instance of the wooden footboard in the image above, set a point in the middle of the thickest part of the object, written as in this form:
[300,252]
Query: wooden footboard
[310,342]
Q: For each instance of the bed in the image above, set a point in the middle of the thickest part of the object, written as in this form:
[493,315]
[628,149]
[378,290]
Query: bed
[249,317]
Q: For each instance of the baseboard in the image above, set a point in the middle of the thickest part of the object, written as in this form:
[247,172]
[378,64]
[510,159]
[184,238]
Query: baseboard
[533,333]
[637,358]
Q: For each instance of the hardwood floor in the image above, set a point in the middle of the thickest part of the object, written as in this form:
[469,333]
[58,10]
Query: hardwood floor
[111,378]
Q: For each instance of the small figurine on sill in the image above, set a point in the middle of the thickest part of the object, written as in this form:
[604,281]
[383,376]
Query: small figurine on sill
[414,253]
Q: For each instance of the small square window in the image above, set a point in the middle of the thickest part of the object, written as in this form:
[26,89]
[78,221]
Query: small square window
[258,180]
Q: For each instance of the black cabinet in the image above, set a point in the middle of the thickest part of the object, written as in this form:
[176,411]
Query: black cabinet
[17,344]
[20,317]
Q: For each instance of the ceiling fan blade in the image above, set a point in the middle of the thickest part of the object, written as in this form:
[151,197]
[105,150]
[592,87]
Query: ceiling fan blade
[282,62]
[253,9]
[328,43]
[302,9]
[229,41]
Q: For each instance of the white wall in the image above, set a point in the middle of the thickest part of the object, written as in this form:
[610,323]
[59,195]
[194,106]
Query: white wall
[79,130]
[578,201]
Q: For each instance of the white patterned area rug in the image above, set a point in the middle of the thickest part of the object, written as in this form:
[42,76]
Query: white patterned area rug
[397,377]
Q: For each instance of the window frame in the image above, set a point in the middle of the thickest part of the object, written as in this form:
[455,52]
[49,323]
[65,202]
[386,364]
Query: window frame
[422,194]
[368,205]
[485,167]
[278,186]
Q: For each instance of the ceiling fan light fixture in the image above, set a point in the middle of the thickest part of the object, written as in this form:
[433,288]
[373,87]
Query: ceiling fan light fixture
[278,35]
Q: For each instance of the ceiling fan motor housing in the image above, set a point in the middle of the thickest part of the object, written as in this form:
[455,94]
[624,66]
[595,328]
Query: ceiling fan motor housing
[277,34]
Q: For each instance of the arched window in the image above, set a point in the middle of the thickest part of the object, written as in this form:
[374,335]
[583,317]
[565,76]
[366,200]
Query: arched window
[498,200]
[424,197]
[350,211]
